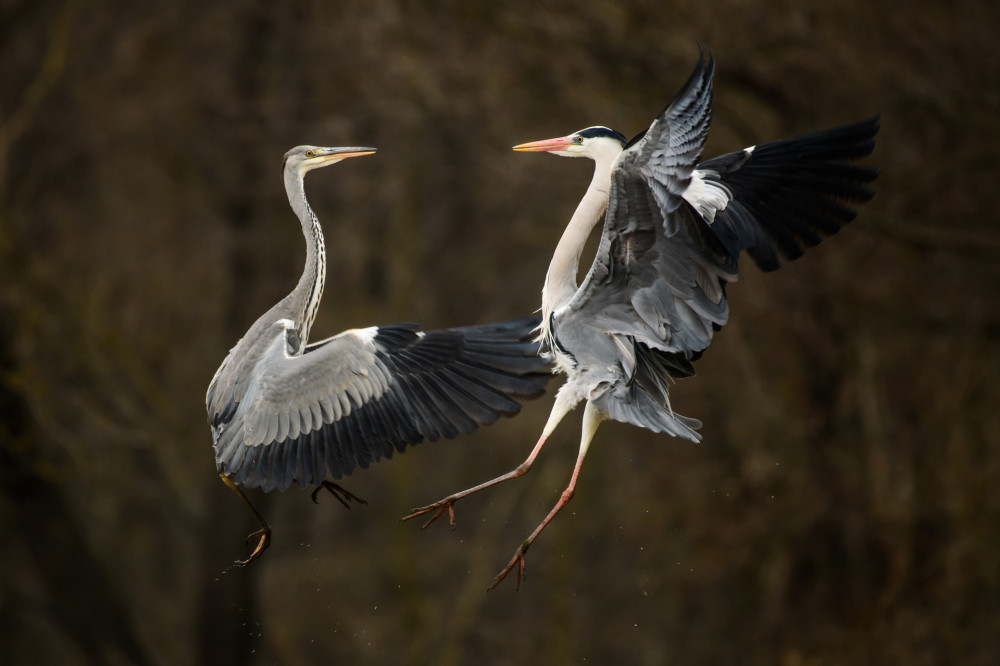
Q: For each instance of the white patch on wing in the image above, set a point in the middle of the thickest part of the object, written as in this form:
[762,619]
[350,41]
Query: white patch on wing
[707,196]
[366,335]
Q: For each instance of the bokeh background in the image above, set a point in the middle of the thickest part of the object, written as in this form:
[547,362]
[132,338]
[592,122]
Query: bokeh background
[843,507]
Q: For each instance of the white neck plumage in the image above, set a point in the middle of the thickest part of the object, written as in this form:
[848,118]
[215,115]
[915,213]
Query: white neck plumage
[305,298]
[561,279]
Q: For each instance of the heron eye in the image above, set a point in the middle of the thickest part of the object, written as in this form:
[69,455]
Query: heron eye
[577,139]
[310,153]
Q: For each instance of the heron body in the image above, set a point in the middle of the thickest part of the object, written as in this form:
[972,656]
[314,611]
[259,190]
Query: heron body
[673,232]
[284,410]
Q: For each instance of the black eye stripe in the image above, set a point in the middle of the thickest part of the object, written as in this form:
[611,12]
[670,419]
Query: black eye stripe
[606,132]
[595,132]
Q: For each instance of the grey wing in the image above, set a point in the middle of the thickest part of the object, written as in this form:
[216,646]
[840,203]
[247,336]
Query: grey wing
[658,276]
[674,229]
[357,397]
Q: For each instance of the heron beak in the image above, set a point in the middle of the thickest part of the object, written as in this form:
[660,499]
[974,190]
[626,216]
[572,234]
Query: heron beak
[545,145]
[337,154]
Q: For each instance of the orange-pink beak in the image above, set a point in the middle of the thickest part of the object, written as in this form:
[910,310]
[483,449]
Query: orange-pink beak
[546,145]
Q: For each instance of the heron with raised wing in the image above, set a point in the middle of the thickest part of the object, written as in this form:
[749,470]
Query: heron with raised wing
[284,410]
[673,232]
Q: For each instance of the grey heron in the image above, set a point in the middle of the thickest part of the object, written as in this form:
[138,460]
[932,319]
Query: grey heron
[284,410]
[673,232]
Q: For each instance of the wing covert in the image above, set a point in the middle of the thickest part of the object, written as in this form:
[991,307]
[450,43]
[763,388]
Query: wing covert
[674,229]
[356,398]
[658,276]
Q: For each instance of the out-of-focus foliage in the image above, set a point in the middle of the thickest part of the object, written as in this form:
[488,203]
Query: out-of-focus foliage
[843,507]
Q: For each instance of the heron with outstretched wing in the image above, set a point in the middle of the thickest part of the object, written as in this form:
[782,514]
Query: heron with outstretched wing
[673,233]
[284,411]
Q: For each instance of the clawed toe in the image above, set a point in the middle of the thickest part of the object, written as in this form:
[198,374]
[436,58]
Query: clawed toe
[440,507]
[518,559]
[342,495]
[264,540]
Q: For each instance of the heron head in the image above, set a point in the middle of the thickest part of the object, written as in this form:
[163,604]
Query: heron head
[307,158]
[587,142]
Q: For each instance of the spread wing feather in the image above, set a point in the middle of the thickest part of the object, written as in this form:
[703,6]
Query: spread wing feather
[657,274]
[673,232]
[674,229]
[775,199]
[357,397]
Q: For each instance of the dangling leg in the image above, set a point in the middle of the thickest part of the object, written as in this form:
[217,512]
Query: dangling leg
[342,495]
[591,419]
[560,408]
[264,533]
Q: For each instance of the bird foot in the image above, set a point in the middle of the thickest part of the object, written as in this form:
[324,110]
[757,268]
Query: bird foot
[518,559]
[264,540]
[342,495]
[447,504]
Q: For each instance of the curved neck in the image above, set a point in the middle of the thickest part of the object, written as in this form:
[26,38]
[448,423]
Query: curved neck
[560,281]
[304,299]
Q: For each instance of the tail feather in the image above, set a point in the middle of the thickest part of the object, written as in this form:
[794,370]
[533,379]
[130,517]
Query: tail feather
[634,405]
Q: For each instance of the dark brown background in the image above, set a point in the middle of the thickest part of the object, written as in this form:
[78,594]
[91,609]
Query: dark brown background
[842,509]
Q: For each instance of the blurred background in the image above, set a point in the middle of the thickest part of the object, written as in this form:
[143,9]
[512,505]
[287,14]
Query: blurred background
[842,508]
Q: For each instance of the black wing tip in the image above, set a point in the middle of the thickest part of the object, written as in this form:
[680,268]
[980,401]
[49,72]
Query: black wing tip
[870,125]
[701,76]
[705,59]
[513,330]
[524,325]
[796,191]
[844,143]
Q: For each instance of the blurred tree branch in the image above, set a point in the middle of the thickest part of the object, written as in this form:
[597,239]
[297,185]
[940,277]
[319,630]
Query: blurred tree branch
[52,68]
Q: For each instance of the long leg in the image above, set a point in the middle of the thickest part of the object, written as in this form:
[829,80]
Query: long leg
[263,534]
[560,408]
[591,419]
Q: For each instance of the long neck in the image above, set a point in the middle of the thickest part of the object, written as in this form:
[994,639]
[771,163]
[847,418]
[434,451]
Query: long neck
[304,299]
[560,281]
